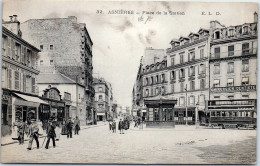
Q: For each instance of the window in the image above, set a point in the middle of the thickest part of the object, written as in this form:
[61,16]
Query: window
[245,48]
[79,96]
[231,32]
[157,91]
[152,81]
[172,61]
[17,51]
[202,69]
[100,97]
[41,47]
[217,68]
[202,83]
[192,56]
[163,90]
[192,100]
[182,101]
[181,58]
[202,53]
[100,89]
[202,99]
[182,73]
[147,81]
[230,82]
[217,52]
[163,77]
[245,30]
[4,78]
[231,50]
[182,86]
[245,65]
[33,85]
[192,85]
[192,71]
[245,81]
[101,105]
[17,80]
[172,87]
[216,97]
[216,83]
[173,75]
[217,35]
[147,92]
[51,62]
[24,83]
[51,47]
[231,67]
[157,79]
[10,78]
[41,62]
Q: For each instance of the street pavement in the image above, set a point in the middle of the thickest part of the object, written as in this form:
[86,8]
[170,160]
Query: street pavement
[182,145]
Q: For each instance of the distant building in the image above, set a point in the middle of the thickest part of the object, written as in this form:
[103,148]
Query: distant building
[70,91]
[19,90]
[101,99]
[65,46]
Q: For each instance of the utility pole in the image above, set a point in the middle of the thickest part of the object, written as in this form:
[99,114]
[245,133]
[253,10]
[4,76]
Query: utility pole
[186,101]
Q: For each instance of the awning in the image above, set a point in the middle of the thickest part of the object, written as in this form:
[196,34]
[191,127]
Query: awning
[100,114]
[31,98]
[245,79]
[216,81]
[230,80]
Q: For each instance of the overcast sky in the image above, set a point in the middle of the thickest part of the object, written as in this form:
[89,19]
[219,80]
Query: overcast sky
[120,40]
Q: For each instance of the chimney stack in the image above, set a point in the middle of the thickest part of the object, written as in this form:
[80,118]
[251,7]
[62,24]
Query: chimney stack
[11,18]
[15,18]
[255,17]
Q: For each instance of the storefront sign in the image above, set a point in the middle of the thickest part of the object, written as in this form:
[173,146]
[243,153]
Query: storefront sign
[234,88]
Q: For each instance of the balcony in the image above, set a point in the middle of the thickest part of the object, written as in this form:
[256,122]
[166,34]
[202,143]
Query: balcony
[233,54]
[234,89]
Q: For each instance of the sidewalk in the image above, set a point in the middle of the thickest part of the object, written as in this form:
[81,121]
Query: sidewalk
[7,140]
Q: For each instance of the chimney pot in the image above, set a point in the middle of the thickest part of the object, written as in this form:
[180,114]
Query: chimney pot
[11,18]
[15,17]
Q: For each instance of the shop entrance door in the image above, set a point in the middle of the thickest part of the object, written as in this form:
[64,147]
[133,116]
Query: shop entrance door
[24,113]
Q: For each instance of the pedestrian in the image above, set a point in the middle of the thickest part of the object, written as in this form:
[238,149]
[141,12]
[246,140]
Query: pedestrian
[110,125]
[69,128]
[114,126]
[20,130]
[121,126]
[50,134]
[77,125]
[33,133]
[58,131]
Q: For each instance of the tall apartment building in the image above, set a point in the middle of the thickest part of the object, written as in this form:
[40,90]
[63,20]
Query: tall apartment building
[19,91]
[66,47]
[188,75]
[233,71]
[101,99]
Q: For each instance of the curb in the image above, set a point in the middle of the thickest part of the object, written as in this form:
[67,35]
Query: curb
[44,136]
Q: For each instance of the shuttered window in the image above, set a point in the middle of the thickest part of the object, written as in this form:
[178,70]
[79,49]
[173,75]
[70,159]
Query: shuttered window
[24,83]
[17,80]
[33,85]
[10,78]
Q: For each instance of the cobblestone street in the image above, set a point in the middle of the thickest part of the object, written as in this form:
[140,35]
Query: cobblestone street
[182,145]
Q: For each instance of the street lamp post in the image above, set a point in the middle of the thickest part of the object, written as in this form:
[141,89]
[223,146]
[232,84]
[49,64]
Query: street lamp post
[186,100]
[196,115]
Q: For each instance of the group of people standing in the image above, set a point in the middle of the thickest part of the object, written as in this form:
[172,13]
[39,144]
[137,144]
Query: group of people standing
[53,131]
[123,125]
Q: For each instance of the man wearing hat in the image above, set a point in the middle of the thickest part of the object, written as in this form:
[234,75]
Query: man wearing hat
[69,128]
[50,134]
[33,132]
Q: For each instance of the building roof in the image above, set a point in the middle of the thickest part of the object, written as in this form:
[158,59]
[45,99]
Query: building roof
[153,55]
[54,78]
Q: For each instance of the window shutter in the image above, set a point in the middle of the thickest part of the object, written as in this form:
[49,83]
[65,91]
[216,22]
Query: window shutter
[17,80]
[13,49]
[10,78]
[33,85]
[9,47]
[24,83]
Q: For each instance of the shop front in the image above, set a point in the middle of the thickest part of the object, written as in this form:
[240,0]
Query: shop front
[160,112]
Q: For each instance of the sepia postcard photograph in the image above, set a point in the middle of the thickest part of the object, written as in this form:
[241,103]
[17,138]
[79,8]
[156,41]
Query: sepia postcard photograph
[120,82]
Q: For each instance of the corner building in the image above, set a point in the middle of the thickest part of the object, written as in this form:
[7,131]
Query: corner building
[233,73]
[65,46]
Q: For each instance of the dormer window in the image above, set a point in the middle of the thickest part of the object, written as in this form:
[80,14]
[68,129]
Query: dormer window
[231,33]
[217,35]
[245,30]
